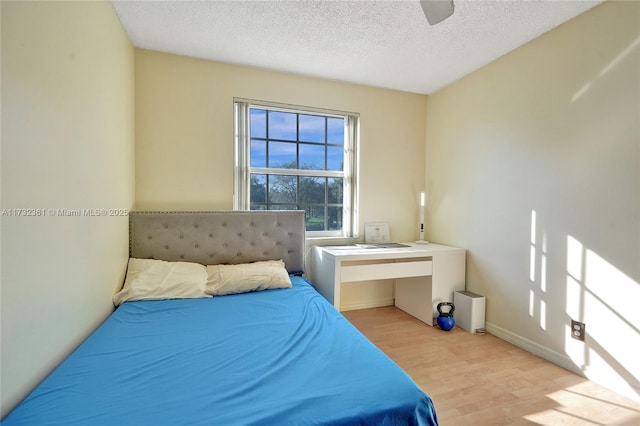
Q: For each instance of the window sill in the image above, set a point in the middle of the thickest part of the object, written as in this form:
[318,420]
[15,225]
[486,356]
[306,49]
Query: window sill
[331,240]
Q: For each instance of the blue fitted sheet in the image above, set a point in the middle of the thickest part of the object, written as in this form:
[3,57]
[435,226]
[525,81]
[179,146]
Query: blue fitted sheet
[266,358]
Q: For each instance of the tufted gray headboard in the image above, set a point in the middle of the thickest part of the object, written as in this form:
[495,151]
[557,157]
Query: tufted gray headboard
[217,237]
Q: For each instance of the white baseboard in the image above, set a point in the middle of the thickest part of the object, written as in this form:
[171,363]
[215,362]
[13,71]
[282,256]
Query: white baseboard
[370,304]
[557,358]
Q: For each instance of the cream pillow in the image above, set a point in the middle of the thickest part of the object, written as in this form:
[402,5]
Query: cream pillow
[245,277]
[149,279]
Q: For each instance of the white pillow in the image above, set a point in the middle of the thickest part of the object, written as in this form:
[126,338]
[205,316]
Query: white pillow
[149,279]
[245,277]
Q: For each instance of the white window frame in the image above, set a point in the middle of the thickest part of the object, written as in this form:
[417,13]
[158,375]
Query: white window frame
[242,162]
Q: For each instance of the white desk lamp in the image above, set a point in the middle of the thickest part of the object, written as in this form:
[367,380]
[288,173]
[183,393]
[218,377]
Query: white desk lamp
[421,240]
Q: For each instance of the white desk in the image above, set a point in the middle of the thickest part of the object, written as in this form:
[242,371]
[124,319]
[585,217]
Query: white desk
[425,274]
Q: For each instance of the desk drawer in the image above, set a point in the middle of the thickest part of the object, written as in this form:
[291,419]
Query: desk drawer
[383,271]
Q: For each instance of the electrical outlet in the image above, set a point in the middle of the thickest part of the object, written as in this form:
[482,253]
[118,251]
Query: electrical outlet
[577,330]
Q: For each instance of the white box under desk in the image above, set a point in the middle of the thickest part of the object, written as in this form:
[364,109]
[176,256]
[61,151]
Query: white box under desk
[424,274]
[469,313]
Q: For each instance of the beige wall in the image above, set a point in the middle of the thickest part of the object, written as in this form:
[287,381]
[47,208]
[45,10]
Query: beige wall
[533,165]
[67,143]
[184,135]
[184,140]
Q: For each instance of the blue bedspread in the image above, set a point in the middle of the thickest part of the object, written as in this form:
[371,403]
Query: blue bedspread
[273,357]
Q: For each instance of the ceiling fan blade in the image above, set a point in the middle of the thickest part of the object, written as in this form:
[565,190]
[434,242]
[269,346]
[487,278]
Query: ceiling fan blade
[437,11]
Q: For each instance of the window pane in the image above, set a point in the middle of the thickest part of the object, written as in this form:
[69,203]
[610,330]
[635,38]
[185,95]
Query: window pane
[311,190]
[253,206]
[311,128]
[335,186]
[282,125]
[312,157]
[282,155]
[335,218]
[315,218]
[258,188]
[283,189]
[335,158]
[258,153]
[258,123]
[335,127]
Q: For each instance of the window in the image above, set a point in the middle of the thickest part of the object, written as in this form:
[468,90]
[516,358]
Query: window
[294,158]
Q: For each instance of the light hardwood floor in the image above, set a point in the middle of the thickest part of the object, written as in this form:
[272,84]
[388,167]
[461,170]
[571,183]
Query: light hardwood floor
[483,380]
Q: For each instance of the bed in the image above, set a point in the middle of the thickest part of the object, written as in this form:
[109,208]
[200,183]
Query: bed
[272,357]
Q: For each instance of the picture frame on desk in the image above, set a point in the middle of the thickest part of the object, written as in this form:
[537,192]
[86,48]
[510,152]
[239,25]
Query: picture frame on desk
[377,232]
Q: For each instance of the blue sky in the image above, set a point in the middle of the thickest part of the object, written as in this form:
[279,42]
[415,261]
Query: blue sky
[282,125]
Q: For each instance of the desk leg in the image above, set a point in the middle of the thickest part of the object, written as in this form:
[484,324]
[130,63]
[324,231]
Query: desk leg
[325,277]
[413,295]
[448,277]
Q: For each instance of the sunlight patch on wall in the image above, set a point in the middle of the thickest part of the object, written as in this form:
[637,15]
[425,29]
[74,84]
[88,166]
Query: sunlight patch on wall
[543,264]
[605,299]
[538,278]
[574,258]
[612,298]
[543,315]
[611,65]
[574,300]
[532,302]
[532,259]
[605,70]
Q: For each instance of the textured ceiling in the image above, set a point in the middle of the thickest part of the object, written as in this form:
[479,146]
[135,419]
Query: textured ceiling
[376,43]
